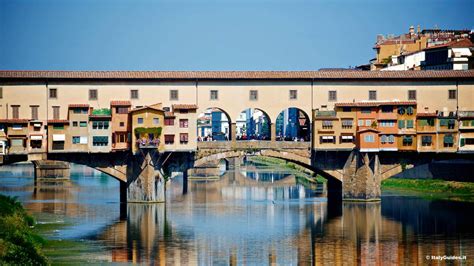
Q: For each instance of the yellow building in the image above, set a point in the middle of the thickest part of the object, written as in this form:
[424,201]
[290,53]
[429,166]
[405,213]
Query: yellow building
[147,126]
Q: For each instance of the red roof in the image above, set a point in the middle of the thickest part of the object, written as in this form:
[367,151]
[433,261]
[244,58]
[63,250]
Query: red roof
[146,107]
[14,120]
[194,75]
[58,121]
[368,129]
[185,106]
[374,104]
[120,103]
[79,105]
[426,114]
[460,43]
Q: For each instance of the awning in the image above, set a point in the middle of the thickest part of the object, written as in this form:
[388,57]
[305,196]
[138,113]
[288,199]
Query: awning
[36,125]
[59,137]
[36,137]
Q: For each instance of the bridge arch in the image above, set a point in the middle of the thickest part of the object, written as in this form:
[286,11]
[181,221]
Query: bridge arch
[214,123]
[293,124]
[253,124]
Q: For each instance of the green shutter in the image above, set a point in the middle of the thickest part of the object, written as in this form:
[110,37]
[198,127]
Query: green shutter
[443,122]
[401,124]
[472,123]
[448,139]
[409,123]
[410,110]
[463,142]
[423,122]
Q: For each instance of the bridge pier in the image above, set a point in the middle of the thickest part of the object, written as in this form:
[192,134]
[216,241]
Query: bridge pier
[52,170]
[144,183]
[361,178]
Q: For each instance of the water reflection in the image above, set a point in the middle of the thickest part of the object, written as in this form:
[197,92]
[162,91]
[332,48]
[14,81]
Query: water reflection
[239,219]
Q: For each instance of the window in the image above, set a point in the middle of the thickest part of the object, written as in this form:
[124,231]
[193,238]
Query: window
[409,123]
[448,141]
[452,95]
[15,111]
[100,125]
[169,139]
[133,94]
[360,122]
[401,124]
[55,112]
[174,95]
[122,124]
[253,95]
[293,94]
[368,123]
[327,124]
[156,121]
[387,123]
[17,142]
[327,139]
[122,110]
[332,96]
[183,123]
[53,93]
[451,123]
[346,123]
[410,110]
[412,95]
[140,120]
[214,94]
[92,94]
[407,140]
[346,139]
[80,110]
[74,123]
[387,109]
[183,138]
[17,127]
[58,145]
[169,121]
[369,138]
[121,137]
[1,92]
[373,95]
[366,110]
[100,141]
[467,141]
[58,126]
[183,111]
[426,140]
[83,124]
[76,140]
[346,109]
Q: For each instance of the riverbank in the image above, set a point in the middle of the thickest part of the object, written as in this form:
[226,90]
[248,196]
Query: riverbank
[298,170]
[19,244]
[432,188]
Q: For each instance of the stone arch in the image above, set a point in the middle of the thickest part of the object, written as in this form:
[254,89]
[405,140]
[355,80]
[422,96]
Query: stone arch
[293,122]
[204,124]
[265,131]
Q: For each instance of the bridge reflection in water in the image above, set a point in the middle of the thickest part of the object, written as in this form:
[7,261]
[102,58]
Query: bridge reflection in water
[239,220]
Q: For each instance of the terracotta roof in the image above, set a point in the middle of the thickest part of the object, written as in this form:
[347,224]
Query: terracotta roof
[169,114]
[14,120]
[374,104]
[120,103]
[78,105]
[146,107]
[193,75]
[58,121]
[368,129]
[426,114]
[460,43]
[185,106]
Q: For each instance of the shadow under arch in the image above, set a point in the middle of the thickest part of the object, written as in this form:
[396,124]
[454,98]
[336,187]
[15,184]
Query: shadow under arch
[214,123]
[253,123]
[292,124]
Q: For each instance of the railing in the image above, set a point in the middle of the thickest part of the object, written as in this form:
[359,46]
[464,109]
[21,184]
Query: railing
[259,144]
[148,144]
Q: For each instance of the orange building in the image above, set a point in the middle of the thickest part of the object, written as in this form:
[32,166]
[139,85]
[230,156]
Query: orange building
[427,139]
[121,125]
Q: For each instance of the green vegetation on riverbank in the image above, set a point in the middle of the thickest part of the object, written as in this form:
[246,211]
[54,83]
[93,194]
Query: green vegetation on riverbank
[442,188]
[19,245]
[269,161]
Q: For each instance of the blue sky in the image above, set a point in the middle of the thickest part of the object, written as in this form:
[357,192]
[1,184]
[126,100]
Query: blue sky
[209,35]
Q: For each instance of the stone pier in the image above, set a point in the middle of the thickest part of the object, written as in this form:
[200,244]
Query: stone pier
[51,170]
[361,177]
[144,183]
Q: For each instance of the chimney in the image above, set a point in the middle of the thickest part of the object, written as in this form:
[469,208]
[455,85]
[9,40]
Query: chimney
[418,29]
[412,30]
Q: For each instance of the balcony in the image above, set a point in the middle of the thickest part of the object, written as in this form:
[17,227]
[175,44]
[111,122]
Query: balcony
[146,143]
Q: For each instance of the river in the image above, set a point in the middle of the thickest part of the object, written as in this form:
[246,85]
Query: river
[253,215]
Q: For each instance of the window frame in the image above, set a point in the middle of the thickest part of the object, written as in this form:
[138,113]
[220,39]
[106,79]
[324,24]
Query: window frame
[332,96]
[295,96]
[454,96]
[132,91]
[171,92]
[55,90]
[91,92]
[372,93]
[211,92]
[253,95]
[410,92]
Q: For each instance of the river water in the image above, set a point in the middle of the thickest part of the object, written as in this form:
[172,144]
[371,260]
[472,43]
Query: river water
[252,215]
